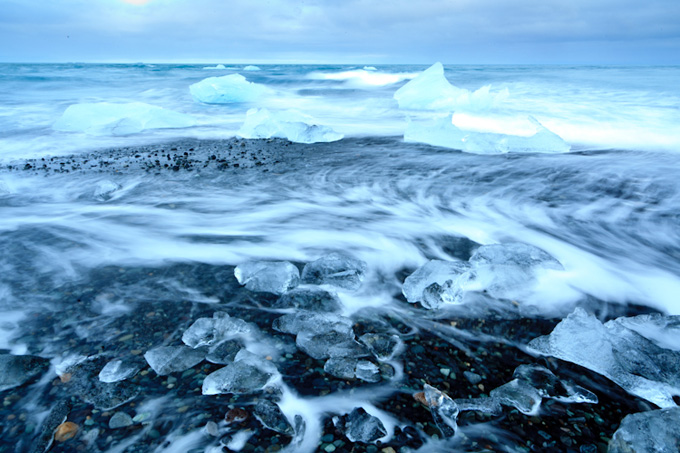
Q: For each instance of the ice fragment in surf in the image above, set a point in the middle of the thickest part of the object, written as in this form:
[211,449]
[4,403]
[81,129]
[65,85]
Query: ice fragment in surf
[106,118]
[550,386]
[268,276]
[442,132]
[106,189]
[224,352]
[251,67]
[437,282]
[210,331]
[351,368]
[290,124]
[119,370]
[247,374]
[443,409]
[360,426]
[335,269]
[382,345]
[171,359]
[313,299]
[626,356]
[508,270]
[270,416]
[233,88]
[655,431]
[295,323]
[431,91]
[518,394]
[16,370]
[367,371]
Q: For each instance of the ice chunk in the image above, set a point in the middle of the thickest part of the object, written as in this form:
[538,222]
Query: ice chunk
[550,386]
[508,270]
[360,426]
[251,67]
[442,132]
[437,282]
[335,269]
[16,370]
[341,367]
[295,323]
[119,370]
[289,124]
[382,345]
[219,66]
[313,299]
[631,360]
[210,331]
[104,118]
[270,415]
[648,432]
[367,371]
[170,359]
[247,374]
[268,276]
[520,395]
[370,68]
[105,190]
[224,352]
[232,88]
[444,410]
[431,91]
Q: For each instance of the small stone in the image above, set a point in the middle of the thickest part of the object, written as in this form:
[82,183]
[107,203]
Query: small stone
[473,378]
[329,448]
[236,415]
[120,420]
[388,450]
[65,431]
[212,429]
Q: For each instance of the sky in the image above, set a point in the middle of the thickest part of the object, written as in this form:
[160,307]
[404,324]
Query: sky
[342,31]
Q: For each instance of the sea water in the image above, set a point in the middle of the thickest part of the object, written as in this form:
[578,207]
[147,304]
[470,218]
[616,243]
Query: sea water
[607,210]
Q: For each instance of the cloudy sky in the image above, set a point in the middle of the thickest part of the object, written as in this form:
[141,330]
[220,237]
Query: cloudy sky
[342,31]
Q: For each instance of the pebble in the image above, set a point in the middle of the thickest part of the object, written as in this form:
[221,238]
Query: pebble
[120,420]
[65,431]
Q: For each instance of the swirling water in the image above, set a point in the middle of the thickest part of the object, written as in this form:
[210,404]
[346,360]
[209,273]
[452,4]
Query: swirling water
[608,210]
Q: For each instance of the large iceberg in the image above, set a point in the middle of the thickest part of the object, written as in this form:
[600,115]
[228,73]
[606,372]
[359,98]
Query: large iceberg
[289,124]
[431,91]
[233,88]
[105,118]
[620,351]
[442,132]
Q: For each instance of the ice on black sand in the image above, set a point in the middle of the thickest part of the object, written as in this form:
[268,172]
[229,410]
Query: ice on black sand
[119,370]
[309,298]
[247,374]
[437,282]
[268,276]
[171,359]
[360,426]
[211,331]
[648,432]
[337,269]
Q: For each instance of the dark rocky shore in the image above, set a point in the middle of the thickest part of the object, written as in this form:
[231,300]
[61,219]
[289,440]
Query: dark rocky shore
[464,357]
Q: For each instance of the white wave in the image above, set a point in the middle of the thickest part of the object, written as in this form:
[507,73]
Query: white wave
[363,77]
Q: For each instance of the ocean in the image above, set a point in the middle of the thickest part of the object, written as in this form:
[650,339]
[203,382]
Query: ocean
[452,230]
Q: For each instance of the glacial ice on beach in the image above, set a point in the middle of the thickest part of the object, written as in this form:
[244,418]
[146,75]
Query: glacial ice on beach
[437,274]
[431,91]
[106,118]
[638,364]
[655,431]
[442,132]
[119,370]
[360,426]
[232,88]
[246,374]
[309,298]
[443,409]
[170,359]
[337,269]
[289,124]
[212,331]
[268,276]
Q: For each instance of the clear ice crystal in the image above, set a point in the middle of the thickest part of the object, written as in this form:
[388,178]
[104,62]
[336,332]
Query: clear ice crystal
[171,359]
[337,269]
[636,363]
[290,124]
[119,370]
[268,276]
[360,426]
[519,394]
[211,331]
[655,431]
[270,416]
[311,298]
[444,410]
[437,282]
[382,345]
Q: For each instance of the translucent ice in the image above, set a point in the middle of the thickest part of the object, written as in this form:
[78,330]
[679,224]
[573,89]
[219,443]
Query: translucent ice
[518,394]
[268,276]
[233,88]
[219,66]
[170,359]
[210,331]
[507,270]
[119,370]
[300,321]
[335,269]
[270,415]
[444,410]
[382,345]
[106,189]
[431,91]
[313,299]
[247,374]
[437,282]
[251,67]
[360,426]
[636,363]
[106,118]
[648,432]
[442,132]
[16,370]
[351,368]
[289,124]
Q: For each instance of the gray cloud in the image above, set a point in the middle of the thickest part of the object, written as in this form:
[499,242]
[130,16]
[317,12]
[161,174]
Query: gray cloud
[466,31]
